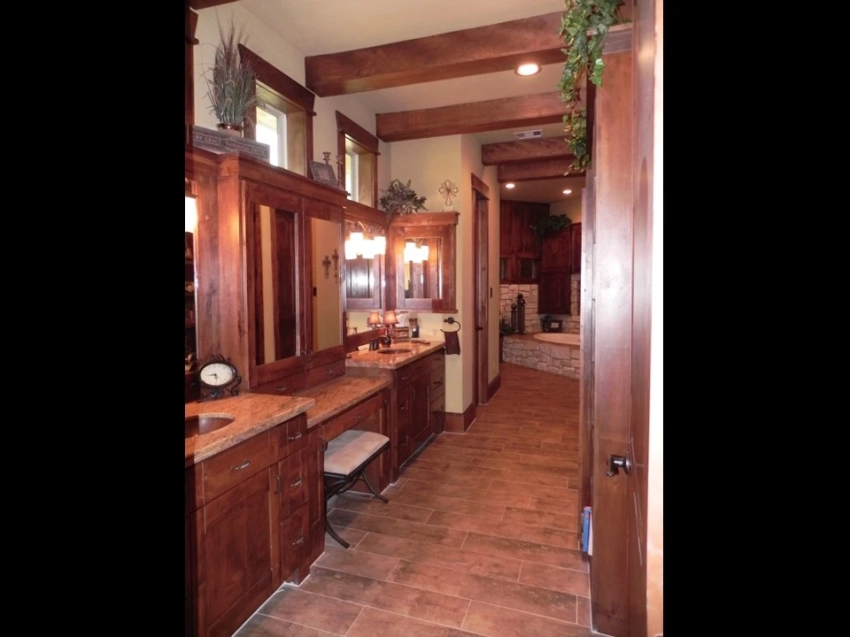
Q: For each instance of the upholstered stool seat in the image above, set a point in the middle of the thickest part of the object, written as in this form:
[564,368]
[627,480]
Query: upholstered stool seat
[346,459]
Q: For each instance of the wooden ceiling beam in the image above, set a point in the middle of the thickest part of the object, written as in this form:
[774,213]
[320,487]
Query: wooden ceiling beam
[487,49]
[474,117]
[524,150]
[530,170]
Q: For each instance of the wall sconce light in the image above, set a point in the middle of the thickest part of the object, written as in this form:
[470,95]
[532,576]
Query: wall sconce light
[416,251]
[367,243]
[191,221]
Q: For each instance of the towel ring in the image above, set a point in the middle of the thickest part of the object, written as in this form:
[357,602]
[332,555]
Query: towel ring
[451,320]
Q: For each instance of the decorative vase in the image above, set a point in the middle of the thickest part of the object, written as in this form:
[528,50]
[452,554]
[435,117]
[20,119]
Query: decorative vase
[234,130]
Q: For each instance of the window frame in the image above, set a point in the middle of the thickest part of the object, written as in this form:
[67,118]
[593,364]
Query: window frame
[351,137]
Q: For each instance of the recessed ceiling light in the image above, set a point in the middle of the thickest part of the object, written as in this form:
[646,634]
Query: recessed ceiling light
[510,185]
[568,192]
[528,69]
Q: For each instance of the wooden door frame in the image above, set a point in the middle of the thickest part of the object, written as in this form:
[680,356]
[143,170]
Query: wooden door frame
[481,351]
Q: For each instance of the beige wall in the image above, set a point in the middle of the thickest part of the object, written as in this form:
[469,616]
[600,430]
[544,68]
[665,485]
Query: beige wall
[570,207]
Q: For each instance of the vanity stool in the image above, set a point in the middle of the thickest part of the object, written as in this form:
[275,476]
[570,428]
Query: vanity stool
[346,459]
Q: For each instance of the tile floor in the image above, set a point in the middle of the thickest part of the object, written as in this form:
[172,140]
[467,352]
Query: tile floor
[479,537]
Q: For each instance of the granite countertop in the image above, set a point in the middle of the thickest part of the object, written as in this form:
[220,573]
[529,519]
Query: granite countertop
[335,396]
[365,358]
[252,413]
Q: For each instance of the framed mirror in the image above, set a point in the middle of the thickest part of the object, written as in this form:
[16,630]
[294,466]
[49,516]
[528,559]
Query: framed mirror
[420,262]
[365,246]
[327,272]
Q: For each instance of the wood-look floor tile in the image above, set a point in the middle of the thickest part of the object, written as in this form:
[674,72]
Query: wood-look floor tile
[373,506]
[453,451]
[561,520]
[464,442]
[583,611]
[547,461]
[565,580]
[568,504]
[519,468]
[405,600]
[530,551]
[357,562]
[440,454]
[528,477]
[378,623]
[452,491]
[532,599]
[530,490]
[537,534]
[496,566]
[266,626]
[399,528]
[459,478]
[299,606]
[496,621]
[442,503]
[352,536]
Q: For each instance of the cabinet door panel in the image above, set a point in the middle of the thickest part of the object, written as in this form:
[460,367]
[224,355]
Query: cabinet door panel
[236,572]
[293,480]
[554,293]
[294,538]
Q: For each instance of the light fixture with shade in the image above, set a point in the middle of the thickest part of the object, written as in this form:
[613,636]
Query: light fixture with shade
[529,68]
[374,320]
[191,219]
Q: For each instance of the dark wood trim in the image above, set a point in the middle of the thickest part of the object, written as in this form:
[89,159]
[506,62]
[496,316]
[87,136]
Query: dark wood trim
[525,150]
[459,423]
[533,170]
[473,117]
[619,38]
[481,282]
[357,132]
[279,81]
[356,211]
[474,51]
[494,386]
[480,186]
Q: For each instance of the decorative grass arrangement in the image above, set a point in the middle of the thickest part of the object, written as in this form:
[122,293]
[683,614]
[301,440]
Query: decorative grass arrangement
[401,199]
[231,82]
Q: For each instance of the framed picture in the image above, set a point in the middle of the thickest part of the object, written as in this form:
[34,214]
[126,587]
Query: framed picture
[323,173]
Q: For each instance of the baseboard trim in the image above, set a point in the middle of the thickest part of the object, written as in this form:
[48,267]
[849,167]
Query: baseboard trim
[459,423]
[493,387]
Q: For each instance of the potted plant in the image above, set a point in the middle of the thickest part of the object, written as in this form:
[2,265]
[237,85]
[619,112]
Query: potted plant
[231,82]
[550,225]
[401,199]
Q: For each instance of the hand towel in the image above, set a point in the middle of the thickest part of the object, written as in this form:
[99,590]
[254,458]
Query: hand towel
[452,342]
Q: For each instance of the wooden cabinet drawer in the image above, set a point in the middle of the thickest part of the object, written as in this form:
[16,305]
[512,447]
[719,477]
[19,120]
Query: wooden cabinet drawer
[233,466]
[409,373]
[293,435]
[438,361]
[438,414]
[351,417]
[294,542]
[438,383]
[293,481]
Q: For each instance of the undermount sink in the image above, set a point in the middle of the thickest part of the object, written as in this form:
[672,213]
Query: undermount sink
[394,350]
[197,425]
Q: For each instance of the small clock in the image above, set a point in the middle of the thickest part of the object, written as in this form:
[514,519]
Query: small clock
[218,376]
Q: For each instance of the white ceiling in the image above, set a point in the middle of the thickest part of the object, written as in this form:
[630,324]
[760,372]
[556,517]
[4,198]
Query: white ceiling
[316,27]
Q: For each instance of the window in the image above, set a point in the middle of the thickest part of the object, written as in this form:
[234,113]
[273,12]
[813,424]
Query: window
[284,120]
[360,150]
[271,130]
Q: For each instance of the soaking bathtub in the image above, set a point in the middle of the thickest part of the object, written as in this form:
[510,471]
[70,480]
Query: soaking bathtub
[554,352]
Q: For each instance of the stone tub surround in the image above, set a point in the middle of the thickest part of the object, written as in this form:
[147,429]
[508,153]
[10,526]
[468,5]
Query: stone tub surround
[525,350]
[366,358]
[508,294]
[337,395]
[252,413]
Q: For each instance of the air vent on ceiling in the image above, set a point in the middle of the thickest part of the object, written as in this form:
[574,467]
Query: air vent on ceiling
[530,134]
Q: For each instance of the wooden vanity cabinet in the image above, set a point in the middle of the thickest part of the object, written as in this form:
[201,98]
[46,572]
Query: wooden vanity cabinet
[420,406]
[247,525]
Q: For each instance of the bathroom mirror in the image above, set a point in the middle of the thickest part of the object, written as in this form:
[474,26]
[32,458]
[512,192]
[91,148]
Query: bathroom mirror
[421,262]
[327,272]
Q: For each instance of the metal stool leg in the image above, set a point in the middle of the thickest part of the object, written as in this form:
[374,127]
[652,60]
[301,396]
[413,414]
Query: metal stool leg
[372,489]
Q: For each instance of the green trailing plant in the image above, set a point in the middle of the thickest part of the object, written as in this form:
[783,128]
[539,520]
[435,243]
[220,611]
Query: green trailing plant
[231,82]
[400,199]
[550,225]
[584,28]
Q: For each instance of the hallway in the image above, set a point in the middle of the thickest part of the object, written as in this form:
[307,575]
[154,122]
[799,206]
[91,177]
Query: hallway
[480,536]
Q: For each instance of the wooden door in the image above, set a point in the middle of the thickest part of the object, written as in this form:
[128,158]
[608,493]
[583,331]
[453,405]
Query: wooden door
[619,419]
[481,355]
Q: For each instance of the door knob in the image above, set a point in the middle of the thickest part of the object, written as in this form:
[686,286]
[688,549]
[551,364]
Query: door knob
[618,462]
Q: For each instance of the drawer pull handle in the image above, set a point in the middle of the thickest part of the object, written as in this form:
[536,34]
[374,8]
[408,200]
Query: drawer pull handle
[437,383]
[298,541]
[330,372]
[404,378]
[281,389]
[324,443]
[358,416]
[297,483]
[277,475]
[295,437]
[241,466]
